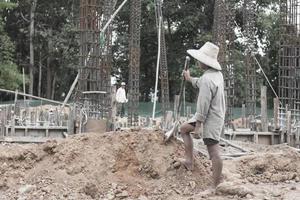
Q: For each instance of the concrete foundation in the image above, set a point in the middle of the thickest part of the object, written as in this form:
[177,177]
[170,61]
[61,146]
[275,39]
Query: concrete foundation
[246,135]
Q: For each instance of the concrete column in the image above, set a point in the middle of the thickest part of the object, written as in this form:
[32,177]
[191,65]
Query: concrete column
[244,123]
[176,104]
[113,113]
[188,111]
[288,127]
[168,120]
[264,110]
[276,114]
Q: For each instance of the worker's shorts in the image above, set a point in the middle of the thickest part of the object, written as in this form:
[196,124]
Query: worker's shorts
[207,141]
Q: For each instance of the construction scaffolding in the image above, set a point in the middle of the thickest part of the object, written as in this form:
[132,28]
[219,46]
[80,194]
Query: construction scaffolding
[94,83]
[223,36]
[249,17]
[164,80]
[134,62]
[289,57]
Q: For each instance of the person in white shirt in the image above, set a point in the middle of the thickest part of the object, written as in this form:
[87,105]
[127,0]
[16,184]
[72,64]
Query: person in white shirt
[121,99]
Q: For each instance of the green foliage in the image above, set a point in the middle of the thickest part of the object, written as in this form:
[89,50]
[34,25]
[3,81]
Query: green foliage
[55,23]
[186,23]
[7,5]
[268,34]
[6,46]
[10,77]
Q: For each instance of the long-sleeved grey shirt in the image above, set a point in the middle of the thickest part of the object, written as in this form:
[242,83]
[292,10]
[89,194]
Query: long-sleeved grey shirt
[211,103]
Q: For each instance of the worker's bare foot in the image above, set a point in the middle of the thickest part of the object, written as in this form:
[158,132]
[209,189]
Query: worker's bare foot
[188,165]
[219,181]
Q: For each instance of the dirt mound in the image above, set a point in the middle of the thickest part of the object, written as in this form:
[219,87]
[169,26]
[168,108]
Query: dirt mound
[117,165]
[271,166]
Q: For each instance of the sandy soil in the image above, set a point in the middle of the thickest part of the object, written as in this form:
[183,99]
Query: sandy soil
[137,165]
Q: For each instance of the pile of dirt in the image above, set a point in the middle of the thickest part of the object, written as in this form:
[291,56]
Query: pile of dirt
[273,165]
[120,165]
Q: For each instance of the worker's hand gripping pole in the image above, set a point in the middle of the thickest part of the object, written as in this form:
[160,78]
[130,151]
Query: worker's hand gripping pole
[174,129]
[186,67]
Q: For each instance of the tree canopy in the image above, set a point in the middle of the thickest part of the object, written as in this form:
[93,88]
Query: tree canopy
[56,43]
[10,77]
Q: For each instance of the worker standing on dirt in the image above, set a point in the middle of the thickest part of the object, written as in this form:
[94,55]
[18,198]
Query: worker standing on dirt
[208,120]
[121,99]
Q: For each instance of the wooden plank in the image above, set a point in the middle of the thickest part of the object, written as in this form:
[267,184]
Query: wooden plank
[241,133]
[233,145]
[42,127]
[267,133]
[252,133]
[234,155]
[25,139]
[243,130]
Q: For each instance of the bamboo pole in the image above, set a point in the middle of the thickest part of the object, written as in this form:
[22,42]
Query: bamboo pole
[32,96]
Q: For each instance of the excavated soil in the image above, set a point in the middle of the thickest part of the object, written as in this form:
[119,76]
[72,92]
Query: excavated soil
[135,164]
[121,165]
[271,165]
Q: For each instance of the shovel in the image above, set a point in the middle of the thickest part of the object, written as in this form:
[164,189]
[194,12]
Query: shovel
[174,129]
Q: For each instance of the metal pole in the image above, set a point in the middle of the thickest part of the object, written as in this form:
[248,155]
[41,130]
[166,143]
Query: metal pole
[157,68]
[24,90]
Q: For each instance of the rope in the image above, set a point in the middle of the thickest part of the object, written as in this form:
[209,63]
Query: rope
[261,68]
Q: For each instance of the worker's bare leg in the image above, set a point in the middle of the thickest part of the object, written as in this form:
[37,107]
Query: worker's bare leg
[185,130]
[217,163]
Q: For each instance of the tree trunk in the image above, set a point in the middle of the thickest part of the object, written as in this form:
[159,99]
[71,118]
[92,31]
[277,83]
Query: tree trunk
[31,47]
[49,78]
[40,74]
[49,70]
[53,86]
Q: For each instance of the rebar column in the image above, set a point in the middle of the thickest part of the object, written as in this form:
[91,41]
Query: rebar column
[134,62]
[95,58]
[223,36]
[289,57]
[164,78]
[249,32]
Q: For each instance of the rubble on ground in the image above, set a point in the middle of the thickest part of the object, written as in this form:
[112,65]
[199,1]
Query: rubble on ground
[136,164]
[270,166]
[91,166]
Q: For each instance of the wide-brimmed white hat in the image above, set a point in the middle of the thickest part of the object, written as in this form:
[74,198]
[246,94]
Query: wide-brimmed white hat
[123,83]
[207,54]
